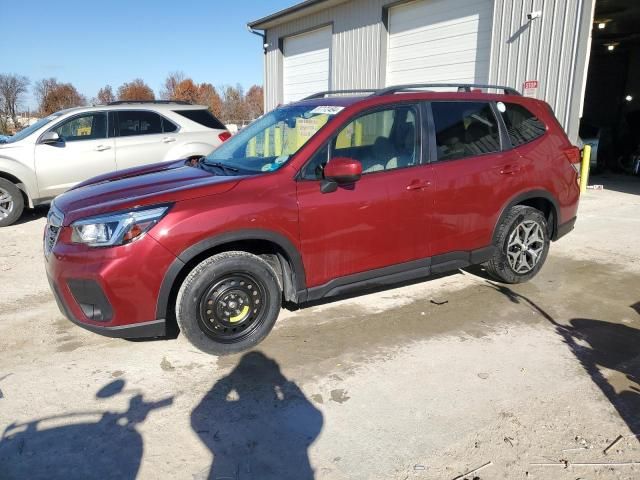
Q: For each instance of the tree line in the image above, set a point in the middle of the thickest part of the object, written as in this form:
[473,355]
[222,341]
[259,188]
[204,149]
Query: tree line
[230,104]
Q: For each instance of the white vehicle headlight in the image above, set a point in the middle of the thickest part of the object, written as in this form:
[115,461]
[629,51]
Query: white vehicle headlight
[116,229]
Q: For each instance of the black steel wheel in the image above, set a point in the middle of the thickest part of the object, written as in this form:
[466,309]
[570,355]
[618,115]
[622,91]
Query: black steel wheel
[233,307]
[228,303]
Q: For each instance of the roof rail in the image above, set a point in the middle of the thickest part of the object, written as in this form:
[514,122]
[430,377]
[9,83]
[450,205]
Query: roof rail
[462,87]
[160,102]
[337,92]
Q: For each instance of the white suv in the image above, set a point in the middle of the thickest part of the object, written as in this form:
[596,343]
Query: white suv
[73,145]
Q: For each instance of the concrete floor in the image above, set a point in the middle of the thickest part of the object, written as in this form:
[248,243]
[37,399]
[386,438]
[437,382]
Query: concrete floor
[529,381]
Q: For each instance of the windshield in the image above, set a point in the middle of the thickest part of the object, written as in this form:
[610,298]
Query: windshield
[267,144]
[25,132]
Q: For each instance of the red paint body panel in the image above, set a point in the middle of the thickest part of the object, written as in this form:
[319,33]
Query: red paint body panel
[266,202]
[385,218]
[130,276]
[373,223]
[162,184]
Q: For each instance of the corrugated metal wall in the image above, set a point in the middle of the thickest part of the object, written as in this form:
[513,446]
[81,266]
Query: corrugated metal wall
[356,49]
[552,49]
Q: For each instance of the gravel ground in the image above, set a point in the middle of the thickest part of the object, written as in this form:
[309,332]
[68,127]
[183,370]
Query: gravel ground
[428,381]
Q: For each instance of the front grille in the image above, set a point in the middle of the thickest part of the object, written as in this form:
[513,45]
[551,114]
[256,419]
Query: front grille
[52,230]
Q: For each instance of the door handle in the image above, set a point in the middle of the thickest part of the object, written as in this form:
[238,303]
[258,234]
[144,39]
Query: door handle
[168,139]
[509,169]
[419,185]
[102,148]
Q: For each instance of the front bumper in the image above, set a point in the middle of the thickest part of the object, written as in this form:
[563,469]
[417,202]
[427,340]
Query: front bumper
[110,291]
[154,328]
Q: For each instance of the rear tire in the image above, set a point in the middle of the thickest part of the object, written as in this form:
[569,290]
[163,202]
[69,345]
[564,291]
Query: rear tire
[228,303]
[11,203]
[522,245]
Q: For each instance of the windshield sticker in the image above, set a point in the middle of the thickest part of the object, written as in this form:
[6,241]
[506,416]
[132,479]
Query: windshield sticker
[281,159]
[268,167]
[327,110]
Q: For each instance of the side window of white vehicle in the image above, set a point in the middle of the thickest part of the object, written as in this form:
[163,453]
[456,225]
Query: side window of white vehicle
[91,126]
[139,122]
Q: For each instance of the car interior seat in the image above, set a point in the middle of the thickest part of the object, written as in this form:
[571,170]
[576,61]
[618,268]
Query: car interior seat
[405,148]
[382,151]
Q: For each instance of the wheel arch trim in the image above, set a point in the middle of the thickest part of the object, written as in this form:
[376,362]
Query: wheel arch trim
[20,184]
[177,266]
[530,195]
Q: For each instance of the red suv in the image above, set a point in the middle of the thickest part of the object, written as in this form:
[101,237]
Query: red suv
[339,192]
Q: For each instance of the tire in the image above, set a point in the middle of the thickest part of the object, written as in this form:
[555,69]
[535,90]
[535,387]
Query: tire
[228,303]
[11,203]
[522,245]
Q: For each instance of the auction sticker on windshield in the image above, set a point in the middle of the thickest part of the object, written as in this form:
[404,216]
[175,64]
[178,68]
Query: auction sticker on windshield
[327,110]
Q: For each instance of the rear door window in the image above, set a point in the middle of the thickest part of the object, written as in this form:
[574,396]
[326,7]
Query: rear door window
[522,125]
[465,129]
[139,122]
[203,117]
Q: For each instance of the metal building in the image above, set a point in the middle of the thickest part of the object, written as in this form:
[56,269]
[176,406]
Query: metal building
[542,45]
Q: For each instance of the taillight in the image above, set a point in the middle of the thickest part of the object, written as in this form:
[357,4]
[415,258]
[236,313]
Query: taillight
[224,136]
[573,157]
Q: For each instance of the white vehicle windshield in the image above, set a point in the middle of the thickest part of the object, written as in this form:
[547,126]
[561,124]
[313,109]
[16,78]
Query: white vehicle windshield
[25,132]
[269,142]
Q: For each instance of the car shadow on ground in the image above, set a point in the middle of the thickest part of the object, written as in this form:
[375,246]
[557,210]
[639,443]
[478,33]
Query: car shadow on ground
[30,215]
[257,424]
[601,347]
[70,447]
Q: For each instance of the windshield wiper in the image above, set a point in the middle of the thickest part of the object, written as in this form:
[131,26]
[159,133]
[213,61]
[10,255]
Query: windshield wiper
[221,166]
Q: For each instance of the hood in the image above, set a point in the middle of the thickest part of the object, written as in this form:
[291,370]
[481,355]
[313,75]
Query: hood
[4,147]
[136,187]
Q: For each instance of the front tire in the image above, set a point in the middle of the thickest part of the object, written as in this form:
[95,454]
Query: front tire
[228,303]
[11,203]
[522,245]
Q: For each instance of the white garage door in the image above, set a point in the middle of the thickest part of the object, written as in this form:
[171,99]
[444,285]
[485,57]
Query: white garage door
[439,41]
[306,64]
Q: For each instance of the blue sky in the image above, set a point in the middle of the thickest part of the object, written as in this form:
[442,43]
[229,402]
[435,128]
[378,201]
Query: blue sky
[93,43]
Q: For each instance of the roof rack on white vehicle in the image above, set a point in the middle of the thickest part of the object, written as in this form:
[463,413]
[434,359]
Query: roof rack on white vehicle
[157,102]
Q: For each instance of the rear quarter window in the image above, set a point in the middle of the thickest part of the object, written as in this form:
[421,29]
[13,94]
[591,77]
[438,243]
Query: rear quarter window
[522,125]
[203,117]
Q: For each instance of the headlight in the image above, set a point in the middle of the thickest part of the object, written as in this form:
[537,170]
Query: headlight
[117,228]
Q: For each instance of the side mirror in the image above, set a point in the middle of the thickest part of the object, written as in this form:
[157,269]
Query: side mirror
[50,138]
[342,170]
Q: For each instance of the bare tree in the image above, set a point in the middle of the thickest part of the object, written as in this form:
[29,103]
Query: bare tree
[254,101]
[12,90]
[53,96]
[169,90]
[135,90]
[105,95]
[233,106]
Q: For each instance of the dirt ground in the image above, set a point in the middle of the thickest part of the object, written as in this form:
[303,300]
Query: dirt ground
[428,381]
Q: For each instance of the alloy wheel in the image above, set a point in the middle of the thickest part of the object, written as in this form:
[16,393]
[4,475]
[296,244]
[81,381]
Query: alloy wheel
[6,203]
[525,246]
